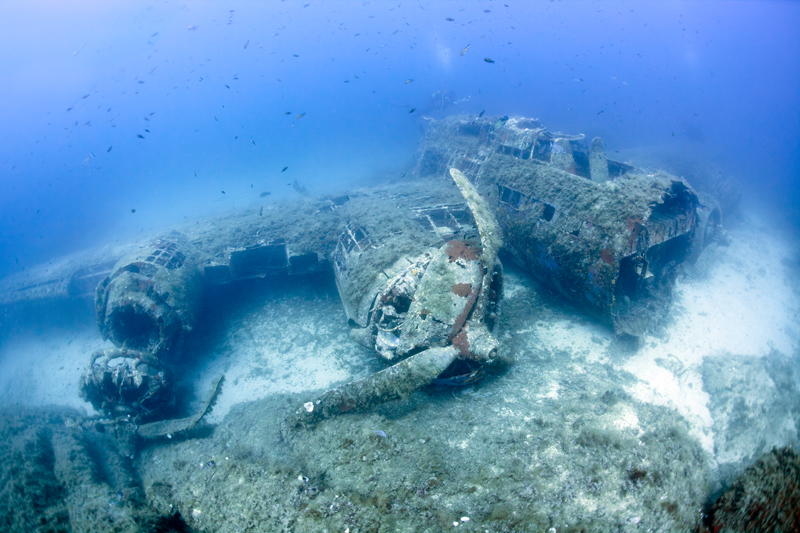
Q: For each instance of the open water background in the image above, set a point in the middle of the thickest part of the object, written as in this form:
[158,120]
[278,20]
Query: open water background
[215,89]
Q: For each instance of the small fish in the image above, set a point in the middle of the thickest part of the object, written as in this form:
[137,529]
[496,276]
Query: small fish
[261,211]
[288,113]
[133,210]
[109,148]
[156,33]
[235,137]
[465,50]
[223,192]
[140,81]
[148,131]
[576,80]
[227,86]
[215,117]
[379,433]
[301,115]
[673,134]
[140,136]
[413,109]
[84,97]
[246,44]
[284,169]
[295,55]
[263,194]
[450,19]
[195,174]
[488,59]
[409,80]
[481,114]
[600,112]
[192,28]
[69,109]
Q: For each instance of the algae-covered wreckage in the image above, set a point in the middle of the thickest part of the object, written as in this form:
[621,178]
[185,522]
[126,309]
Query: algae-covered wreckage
[417,266]
[607,236]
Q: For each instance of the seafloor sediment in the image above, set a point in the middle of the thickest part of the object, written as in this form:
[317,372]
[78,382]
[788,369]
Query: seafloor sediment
[554,442]
[582,432]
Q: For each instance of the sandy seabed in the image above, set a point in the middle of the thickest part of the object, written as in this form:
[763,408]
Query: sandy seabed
[582,431]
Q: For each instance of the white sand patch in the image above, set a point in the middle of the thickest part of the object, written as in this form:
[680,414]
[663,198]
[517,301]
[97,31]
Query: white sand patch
[583,339]
[743,307]
[44,369]
[621,417]
[291,345]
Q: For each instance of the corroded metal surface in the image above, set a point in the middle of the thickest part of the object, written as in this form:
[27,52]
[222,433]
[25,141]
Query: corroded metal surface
[601,233]
[151,297]
[128,383]
[416,262]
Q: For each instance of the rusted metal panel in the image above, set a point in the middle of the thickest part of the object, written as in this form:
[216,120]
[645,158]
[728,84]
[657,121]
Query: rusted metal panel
[610,244]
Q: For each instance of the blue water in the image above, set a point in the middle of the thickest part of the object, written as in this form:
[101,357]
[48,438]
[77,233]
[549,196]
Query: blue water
[220,86]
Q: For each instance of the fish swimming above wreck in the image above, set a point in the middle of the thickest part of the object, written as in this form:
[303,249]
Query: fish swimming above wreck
[417,264]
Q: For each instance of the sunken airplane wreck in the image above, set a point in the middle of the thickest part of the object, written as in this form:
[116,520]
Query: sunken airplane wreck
[415,262]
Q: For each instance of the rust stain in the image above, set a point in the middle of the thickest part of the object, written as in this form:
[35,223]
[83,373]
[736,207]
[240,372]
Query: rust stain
[635,227]
[461,343]
[462,289]
[631,222]
[461,249]
[462,318]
